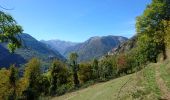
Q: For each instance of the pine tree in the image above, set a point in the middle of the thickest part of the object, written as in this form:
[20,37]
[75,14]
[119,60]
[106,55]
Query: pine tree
[54,79]
[95,69]
[75,67]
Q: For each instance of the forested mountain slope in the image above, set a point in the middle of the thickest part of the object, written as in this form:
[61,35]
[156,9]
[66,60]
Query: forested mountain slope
[31,48]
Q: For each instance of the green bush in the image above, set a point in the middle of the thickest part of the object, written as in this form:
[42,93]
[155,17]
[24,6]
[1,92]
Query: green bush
[64,88]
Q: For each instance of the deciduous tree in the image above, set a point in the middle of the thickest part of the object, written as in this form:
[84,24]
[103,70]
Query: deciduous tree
[9,31]
[151,24]
[32,75]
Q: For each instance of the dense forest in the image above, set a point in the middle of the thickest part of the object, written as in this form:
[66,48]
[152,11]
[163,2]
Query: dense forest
[152,40]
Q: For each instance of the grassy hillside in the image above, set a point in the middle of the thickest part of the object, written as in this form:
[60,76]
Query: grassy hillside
[151,83]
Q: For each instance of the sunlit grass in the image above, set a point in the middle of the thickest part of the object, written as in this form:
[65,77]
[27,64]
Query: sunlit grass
[165,73]
[142,85]
[150,81]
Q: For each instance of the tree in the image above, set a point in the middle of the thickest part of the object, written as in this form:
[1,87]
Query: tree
[106,69]
[147,49]
[45,85]
[74,65]
[32,75]
[133,60]
[151,23]
[53,74]
[85,72]
[122,64]
[9,31]
[4,84]
[13,79]
[95,65]
[59,76]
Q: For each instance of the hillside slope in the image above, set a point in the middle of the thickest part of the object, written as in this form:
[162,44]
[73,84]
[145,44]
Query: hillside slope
[7,58]
[31,48]
[151,83]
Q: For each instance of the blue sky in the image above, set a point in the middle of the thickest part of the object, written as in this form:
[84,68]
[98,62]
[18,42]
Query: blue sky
[76,20]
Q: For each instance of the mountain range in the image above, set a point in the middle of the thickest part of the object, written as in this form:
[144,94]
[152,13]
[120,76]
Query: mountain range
[95,47]
[46,51]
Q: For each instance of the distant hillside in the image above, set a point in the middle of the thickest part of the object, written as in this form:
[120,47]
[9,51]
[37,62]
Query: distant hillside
[31,48]
[7,58]
[95,47]
[124,47]
[58,45]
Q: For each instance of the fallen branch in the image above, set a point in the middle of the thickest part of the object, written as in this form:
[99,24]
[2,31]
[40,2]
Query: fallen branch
[122,87]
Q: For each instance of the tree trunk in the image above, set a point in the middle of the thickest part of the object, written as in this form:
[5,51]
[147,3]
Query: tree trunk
[164,52]
[76,80]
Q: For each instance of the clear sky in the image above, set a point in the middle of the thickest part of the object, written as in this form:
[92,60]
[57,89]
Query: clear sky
[76,20]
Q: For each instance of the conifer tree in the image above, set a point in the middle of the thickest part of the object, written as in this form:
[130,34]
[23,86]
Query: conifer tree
[75,67]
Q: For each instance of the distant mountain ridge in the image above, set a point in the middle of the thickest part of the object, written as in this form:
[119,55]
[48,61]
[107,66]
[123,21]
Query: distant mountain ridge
[95,47]
[31,48]
[59,45]
[6,58]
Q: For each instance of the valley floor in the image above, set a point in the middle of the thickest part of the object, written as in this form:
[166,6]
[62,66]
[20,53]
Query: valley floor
[151,83]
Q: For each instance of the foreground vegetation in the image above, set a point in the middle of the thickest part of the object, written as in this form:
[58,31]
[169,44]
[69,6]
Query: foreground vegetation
[141,85]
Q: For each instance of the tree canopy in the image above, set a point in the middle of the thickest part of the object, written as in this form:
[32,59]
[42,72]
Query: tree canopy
[151,24]
[9,31]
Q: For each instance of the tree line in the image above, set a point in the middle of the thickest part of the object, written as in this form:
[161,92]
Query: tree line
[59,79]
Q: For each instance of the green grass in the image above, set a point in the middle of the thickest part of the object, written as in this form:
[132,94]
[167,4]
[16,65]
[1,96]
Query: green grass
[165,73]
[101,91]
[150,82]
[146,86]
